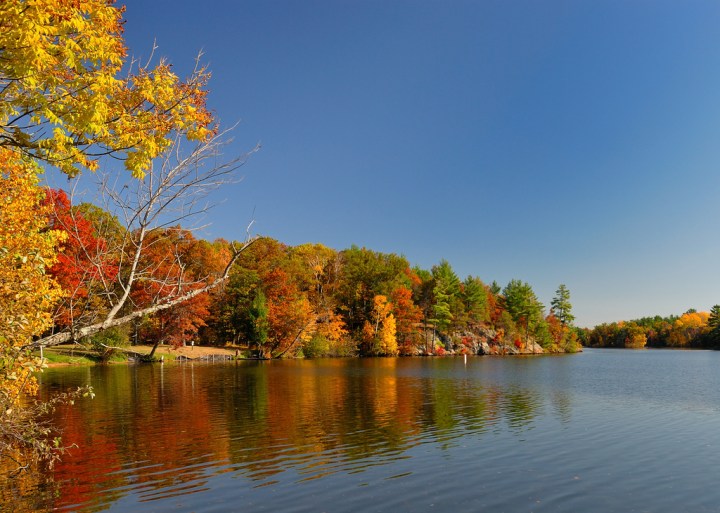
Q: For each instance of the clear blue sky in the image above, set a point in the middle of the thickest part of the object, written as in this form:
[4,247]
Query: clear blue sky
[572,142]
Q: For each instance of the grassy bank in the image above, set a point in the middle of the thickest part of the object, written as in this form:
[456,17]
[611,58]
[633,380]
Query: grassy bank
[77,355]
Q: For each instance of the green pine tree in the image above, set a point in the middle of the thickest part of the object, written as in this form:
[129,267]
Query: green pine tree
[560,306]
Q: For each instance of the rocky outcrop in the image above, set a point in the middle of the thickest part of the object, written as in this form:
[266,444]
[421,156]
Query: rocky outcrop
[487,341]
[479,341]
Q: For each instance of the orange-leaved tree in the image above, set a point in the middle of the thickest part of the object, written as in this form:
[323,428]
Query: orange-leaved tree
[290,316]
[688,328]
[27,250]
[174,264]
[407,318]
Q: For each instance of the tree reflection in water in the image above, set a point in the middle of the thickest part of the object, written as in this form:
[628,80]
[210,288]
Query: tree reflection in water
[163,431]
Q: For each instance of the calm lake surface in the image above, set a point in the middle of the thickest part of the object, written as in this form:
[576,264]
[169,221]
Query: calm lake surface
[605,430]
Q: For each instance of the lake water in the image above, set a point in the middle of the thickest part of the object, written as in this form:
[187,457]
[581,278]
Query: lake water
[605,430]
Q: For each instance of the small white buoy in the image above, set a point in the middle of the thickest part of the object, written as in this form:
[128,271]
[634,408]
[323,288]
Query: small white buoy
[465,357]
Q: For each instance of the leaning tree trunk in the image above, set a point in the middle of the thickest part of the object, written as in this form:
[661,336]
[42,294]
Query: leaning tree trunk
[63,337]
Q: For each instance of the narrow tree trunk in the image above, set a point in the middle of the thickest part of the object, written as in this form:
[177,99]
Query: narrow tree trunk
[152,351]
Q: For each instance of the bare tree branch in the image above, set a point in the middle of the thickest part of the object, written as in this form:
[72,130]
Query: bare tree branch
[65,336]
[174,190]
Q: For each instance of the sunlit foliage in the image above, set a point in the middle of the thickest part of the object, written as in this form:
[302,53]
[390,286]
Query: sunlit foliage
[27,250]
[27,295]
[65,100]
[689,330]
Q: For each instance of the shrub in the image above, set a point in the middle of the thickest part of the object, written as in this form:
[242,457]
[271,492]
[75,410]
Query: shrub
[316,347]
[105,343]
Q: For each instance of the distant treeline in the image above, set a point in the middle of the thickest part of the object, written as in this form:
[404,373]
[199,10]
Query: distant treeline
[692,329]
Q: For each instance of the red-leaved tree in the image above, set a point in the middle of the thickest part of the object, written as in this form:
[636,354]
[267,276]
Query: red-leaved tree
[84,265]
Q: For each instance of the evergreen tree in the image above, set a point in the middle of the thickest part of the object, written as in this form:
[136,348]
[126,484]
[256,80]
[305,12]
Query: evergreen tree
[521,301]
[523,305]
[442,316]
[446,291]
[561,307]
[475,300]
[714,319]
[713,336]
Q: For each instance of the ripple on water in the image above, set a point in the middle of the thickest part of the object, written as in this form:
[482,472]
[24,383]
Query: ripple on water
[603,431]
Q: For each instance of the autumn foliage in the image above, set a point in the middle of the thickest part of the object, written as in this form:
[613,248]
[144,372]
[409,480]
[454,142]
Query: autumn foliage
[312,300]
[691,329]
[27,296]
[27,250]
[379,332]
[60,69]
[83,262]
[284,301]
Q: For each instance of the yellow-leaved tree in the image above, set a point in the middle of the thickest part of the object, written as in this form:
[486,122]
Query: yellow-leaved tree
[63,99]
[380,331]
[27,250]
[68,96]
[27,294]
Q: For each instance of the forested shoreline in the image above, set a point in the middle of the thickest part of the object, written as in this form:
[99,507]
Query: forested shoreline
[692,329]
[289,301]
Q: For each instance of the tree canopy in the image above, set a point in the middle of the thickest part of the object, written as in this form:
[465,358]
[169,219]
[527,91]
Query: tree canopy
[65,100]
[692,329]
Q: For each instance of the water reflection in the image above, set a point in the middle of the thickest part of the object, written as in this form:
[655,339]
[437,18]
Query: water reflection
[156,432]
